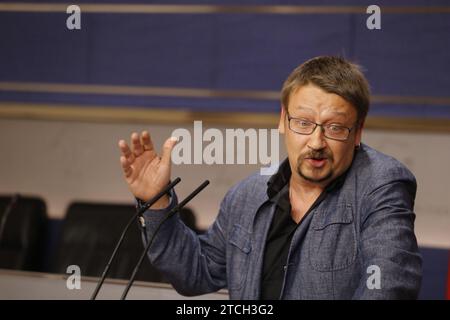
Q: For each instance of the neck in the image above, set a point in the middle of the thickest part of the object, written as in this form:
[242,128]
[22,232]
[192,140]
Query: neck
[305,189]
[302,195]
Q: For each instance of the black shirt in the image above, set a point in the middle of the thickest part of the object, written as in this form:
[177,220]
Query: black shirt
[277,247]
[281,231]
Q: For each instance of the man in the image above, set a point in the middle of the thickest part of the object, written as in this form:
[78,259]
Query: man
[335,222]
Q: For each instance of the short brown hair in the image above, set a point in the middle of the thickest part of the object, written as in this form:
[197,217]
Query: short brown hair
[333,75]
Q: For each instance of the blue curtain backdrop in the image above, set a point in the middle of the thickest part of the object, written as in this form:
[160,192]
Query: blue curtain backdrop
[235,56]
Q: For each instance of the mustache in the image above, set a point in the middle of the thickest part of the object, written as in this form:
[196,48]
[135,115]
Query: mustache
[318,154]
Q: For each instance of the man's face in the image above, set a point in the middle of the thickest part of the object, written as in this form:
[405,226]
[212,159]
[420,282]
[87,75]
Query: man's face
[314,157]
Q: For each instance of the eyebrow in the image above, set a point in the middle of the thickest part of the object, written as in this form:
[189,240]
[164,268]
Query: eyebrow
[339,113]
[303,108]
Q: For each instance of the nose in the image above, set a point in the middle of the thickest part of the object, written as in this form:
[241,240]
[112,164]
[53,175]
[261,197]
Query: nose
[317,139]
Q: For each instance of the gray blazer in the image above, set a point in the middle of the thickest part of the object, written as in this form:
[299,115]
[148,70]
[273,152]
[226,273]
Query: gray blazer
[358,243]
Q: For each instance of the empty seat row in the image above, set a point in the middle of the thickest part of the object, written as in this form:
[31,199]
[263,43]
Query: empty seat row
[85,237]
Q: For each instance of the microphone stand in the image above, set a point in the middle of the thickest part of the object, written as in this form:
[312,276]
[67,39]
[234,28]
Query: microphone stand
[170,214]
[144,208]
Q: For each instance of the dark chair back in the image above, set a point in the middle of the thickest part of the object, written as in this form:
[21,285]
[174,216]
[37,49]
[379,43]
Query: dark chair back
[23,240]
[88,236]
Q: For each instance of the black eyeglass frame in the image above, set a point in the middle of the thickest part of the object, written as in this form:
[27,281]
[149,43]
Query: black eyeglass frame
[322,127]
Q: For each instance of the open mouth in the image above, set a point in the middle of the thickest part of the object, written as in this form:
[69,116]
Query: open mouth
[317,162]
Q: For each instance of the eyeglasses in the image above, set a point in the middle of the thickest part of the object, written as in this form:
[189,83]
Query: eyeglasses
[330,131]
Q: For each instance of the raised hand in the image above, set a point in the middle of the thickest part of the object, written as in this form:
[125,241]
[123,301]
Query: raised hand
[145,172]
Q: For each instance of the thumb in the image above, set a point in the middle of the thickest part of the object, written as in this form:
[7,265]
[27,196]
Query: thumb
[167,150]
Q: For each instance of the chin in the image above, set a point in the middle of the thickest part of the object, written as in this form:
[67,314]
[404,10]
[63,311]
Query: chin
[315,178]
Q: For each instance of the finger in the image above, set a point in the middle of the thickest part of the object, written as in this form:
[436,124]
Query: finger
[137,146]
[146,141]
[126,167]
[124,162]
[167,150]
[126,152]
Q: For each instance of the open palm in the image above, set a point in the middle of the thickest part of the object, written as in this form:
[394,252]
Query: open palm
[145,172]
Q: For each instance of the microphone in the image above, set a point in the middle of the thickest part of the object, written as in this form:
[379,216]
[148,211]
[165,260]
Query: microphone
[144,208]
[169,215]
[12,203]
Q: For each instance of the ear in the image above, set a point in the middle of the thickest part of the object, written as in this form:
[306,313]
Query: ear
[281,123]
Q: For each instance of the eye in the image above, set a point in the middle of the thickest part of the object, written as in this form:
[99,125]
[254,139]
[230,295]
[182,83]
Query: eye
[335,128]
[303,123]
